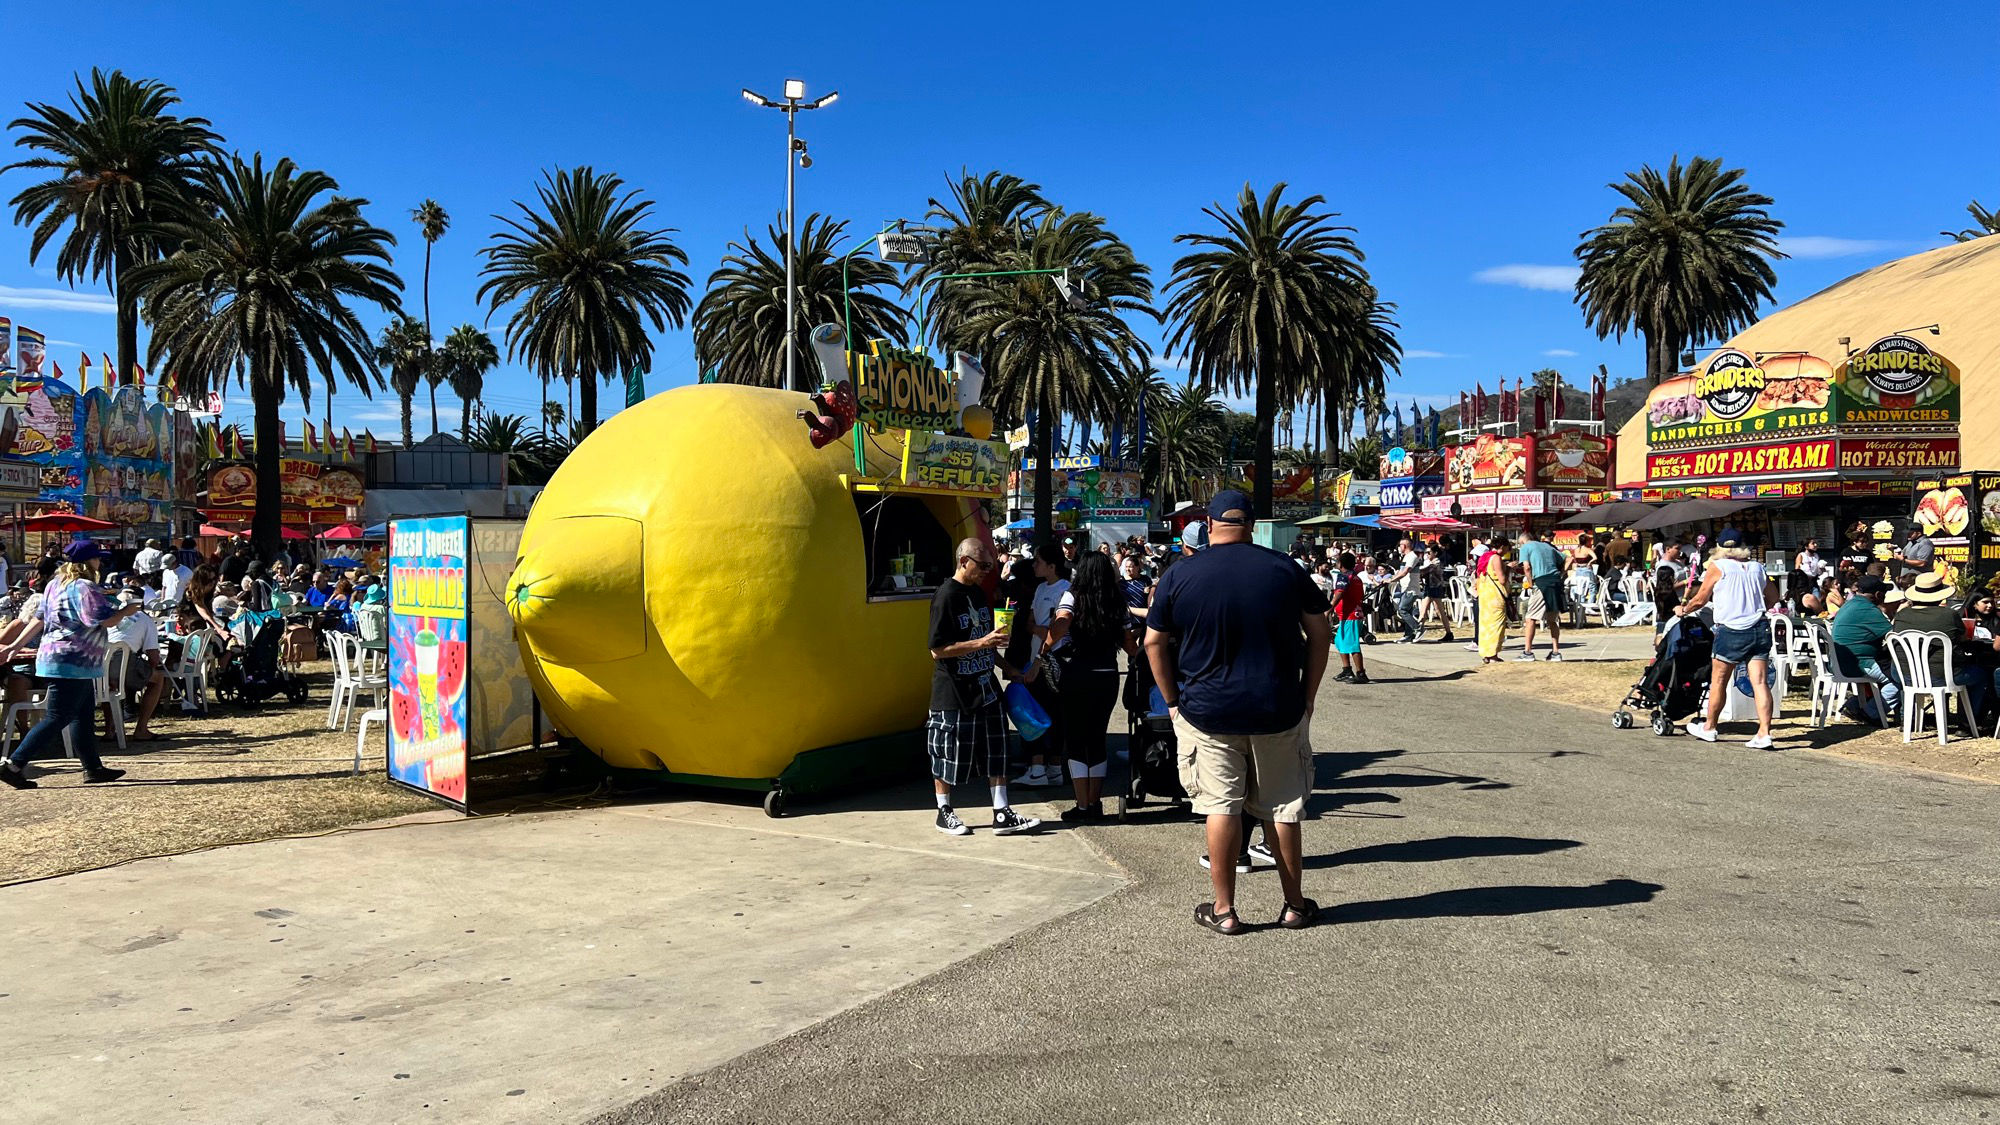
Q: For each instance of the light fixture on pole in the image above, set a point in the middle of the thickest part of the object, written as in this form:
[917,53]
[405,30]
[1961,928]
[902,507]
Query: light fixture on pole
[795,158]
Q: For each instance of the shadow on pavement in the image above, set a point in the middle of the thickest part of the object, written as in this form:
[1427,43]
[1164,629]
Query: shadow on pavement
[1442,848]
[1477,902]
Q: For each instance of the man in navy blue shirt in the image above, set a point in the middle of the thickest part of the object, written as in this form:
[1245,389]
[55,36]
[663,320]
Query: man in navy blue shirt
[1237,639]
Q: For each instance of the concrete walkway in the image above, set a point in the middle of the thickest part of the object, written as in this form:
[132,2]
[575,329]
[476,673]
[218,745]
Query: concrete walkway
[526,968]
[1592,643]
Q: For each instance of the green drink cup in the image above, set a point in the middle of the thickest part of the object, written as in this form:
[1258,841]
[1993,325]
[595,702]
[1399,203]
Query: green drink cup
[427,682]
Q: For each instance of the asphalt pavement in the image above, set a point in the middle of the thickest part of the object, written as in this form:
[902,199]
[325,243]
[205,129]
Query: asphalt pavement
[1530,917]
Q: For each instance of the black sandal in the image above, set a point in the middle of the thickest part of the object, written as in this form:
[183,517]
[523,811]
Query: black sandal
[1298,917]
[1226,923]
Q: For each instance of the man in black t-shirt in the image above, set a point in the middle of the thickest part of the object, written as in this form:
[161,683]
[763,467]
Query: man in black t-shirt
[1237,639]
[966,732]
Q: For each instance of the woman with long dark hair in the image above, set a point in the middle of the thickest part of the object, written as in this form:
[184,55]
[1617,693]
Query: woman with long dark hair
[1089,633]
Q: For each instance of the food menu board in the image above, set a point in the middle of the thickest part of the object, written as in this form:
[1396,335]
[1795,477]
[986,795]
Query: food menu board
[306,485]
[1961,516]
[1573,459]
[1490,462]
[1735,396]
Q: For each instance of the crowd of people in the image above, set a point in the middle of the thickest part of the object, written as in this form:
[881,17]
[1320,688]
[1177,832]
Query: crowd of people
[61,615]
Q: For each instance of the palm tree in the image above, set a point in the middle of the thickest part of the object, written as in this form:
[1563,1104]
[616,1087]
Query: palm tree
[432,221]
[1048,353]
[118,160]
[739,326]
[1266,302]
[552,416]
[588,277]
[1355,372]
[266,275]
[1136,394]
[467,356]
[1686,258]
[527,451]
[1984,223]
[1184,441]
[405,349]
[985,221]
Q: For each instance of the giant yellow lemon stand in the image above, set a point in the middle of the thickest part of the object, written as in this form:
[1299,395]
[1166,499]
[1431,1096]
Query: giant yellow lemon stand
[692,598]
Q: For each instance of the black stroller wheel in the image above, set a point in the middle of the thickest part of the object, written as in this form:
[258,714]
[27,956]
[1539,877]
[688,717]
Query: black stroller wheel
[1622,720]
[1662,725]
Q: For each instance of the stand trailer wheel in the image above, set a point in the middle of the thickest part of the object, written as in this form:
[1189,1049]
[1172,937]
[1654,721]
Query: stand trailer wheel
[774,803]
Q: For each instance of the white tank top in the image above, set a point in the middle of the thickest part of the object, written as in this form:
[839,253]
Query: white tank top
[1739,594]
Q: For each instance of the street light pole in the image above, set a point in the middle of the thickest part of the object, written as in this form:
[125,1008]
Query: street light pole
[795,158]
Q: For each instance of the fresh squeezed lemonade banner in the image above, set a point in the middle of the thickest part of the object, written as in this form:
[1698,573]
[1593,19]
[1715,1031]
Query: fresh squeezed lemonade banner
[429,587]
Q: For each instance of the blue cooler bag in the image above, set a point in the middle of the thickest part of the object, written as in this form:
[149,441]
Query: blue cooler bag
[1026,714]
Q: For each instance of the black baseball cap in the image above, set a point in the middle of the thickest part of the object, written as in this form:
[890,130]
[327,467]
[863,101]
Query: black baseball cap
[1870,584]
[1230,500]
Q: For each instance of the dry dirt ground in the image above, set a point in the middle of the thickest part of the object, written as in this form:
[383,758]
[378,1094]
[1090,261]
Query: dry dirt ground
[1599,686]
[241,774]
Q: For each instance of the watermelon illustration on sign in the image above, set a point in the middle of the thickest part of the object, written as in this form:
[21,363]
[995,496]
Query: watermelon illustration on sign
[451,670]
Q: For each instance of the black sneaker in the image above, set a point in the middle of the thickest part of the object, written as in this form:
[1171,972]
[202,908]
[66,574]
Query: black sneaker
[102,775]
[949,824]
[13,775]
[1346,676]
[1083,814]
[1007,822]
[1242,865]
[1360,677]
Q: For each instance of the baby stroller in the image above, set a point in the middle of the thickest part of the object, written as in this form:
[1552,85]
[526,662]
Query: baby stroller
[1675,684]
[1152,768]
[259,672]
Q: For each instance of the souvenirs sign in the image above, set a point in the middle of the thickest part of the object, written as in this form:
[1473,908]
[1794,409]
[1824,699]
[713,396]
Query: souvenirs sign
[1898,382]
[1735,395]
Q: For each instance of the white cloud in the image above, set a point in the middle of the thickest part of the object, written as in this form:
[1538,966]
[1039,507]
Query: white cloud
[65,344]
[63,300]
[1530,277]
[1822,246]
[1560,352]
[1165,362]
[1425,353]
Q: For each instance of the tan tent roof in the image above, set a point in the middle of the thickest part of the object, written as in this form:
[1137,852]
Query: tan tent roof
[1956,287]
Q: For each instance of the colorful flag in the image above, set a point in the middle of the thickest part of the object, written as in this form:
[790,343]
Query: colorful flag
[6,343]
[33,349]
[211,446]
[370,436]
[1541,411]
[311,437]
[171,388]
[83,370]
[236,442]
[1399,423]
[1464,409]
[347,442]
[1597,395]
[1559,401]
[1479,403]
[139,376]
[1432,442]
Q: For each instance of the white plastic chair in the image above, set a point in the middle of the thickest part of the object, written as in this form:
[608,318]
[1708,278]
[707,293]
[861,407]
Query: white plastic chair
[110,685]
[374,715]
[1911,652]
[1586,597]
[351,680]
[189,674]
[1831,686]
[1461,600]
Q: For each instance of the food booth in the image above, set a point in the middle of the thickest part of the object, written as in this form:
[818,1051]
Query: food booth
[1823,448]
[1512,483]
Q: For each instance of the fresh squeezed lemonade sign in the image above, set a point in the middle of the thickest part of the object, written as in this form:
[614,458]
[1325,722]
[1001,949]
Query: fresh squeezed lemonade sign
[429,588]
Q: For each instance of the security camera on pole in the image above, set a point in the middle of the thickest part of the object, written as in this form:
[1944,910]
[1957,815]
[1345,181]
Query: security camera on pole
[795,158]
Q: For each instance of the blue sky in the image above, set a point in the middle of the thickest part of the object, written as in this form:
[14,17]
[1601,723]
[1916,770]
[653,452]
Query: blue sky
[1469,144]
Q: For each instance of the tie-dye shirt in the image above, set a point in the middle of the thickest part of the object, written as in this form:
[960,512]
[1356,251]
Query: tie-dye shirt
[73,633]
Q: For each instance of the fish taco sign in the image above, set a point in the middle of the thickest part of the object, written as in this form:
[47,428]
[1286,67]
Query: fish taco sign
[1897,383]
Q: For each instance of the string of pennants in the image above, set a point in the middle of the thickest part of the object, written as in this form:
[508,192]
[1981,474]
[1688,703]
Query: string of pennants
[232,441]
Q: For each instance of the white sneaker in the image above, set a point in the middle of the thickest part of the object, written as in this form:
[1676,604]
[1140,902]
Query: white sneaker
[1525,657]
[1699,731]
[1472,646]
[1055,777]
[1760,742]
[1556,656]
[1033,779]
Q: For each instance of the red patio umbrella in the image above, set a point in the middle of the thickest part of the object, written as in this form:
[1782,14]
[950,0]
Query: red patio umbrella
[64,521]
[343,531]
[209,530]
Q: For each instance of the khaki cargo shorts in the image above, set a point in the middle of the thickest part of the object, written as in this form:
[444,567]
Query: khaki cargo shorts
[1267,775]
[1541,601]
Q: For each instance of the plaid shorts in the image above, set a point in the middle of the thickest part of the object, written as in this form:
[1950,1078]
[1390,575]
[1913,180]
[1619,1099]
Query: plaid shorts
[967,745]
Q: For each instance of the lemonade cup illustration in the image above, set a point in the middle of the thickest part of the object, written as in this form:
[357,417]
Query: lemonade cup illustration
[427,681]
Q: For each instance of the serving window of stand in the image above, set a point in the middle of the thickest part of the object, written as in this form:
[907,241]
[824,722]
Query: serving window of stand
[908,526]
